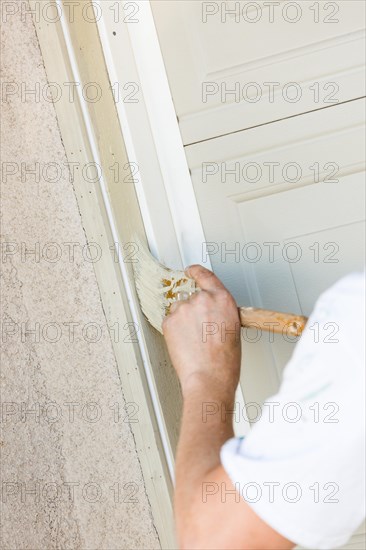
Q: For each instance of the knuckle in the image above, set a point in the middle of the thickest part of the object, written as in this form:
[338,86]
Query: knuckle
[202,298]
[225,296]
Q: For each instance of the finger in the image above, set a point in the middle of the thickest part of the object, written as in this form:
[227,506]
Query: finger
[174,306]
[204,278]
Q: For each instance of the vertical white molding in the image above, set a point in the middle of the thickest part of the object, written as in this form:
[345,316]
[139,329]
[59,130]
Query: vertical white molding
[121,263]
[166,134]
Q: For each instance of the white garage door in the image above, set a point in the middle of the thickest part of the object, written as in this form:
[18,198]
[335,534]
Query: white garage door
[272,118]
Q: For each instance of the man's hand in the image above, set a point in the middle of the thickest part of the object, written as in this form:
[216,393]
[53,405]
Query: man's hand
[208,367]
[203,336]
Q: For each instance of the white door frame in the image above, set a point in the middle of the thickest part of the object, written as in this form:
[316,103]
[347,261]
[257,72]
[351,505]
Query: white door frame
[134,51]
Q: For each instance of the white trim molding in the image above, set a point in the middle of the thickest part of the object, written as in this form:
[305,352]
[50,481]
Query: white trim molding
[158,123]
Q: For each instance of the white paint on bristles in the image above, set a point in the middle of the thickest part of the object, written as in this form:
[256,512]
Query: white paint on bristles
[158,286]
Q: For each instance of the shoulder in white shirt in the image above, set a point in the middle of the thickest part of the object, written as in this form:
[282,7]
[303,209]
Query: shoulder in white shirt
[302,468]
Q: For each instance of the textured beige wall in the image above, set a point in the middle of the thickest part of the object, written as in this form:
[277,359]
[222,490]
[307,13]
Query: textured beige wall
[60,444]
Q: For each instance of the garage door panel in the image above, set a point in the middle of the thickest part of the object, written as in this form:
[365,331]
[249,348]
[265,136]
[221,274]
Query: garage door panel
[327,254]
[303,234]
[230,72]
[281,156]
[310,249]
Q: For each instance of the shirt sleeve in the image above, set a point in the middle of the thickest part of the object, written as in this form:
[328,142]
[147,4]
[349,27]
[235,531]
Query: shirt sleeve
[301,467]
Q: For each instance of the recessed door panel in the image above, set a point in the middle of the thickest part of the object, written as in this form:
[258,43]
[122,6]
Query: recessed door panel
[236,64]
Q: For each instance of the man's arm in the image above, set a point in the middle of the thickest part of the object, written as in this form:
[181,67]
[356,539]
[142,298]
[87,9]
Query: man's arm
[206,516]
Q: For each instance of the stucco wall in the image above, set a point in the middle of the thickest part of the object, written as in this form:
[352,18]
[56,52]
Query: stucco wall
[70,471]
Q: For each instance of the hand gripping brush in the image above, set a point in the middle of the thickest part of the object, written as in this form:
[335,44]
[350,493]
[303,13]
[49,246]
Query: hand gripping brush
[158,287]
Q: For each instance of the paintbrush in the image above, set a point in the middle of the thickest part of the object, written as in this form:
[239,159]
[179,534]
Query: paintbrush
[158,287]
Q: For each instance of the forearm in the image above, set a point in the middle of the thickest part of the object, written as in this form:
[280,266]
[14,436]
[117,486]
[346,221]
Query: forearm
[209,511]
[208,370]
[201,438]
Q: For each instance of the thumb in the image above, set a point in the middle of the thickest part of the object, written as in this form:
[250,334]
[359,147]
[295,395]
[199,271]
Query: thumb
[204,278]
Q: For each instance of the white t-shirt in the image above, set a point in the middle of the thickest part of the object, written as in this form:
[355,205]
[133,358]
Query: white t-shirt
[302,466]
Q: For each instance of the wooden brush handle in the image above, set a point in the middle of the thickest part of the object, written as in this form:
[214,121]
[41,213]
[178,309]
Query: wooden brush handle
[275,321]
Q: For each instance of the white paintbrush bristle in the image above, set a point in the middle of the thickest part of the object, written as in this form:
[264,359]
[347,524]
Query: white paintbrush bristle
[158,286]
